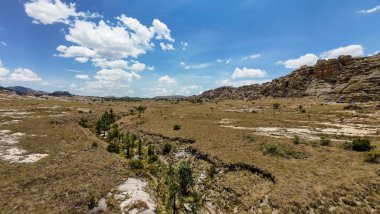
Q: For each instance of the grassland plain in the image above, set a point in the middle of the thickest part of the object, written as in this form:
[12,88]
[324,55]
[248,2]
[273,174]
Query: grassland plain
[309,177]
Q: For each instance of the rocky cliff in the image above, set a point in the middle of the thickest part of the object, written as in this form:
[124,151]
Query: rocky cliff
[345,79]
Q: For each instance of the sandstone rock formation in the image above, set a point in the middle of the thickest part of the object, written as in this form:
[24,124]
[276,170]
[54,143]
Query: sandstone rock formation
[345,79]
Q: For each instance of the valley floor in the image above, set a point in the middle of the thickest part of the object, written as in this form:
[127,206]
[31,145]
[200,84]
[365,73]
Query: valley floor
[268,154]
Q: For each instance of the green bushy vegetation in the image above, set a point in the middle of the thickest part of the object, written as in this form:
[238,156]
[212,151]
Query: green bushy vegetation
[361,145]
[177,127]
[373,157]
[167,148]
[104,123]
[276,105]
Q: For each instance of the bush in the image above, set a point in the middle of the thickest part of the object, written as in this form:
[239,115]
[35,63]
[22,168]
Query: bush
[113,148]
[347,145]
[151,150]
[167,148]
[94,145]
[276,105]
[212,171]
[296,140]
[176,127]
[361,145]
[303,111]
[325,141]
[186,180]
[153,158]
[284,152]
[136,164]
[83,122]
[373,157]
[91,202]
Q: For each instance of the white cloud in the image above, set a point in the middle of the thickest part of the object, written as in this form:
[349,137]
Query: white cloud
[166,47]
[307,59]
[162,31]
[24,74]
[228,61]
[194,66]
[114,64]
[219,60]
[4,43]
[81,59]
[72,86]
[3,71]
[82,77]
[251,57]
[111,79]
[248,73]
[228,82]
[45,84]
[138,66]
[167,80]
[372,10]
[75,51]
[353,50]
[50,11]
[184,45]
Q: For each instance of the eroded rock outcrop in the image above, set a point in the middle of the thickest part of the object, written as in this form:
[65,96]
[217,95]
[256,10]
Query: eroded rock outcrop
[345,79]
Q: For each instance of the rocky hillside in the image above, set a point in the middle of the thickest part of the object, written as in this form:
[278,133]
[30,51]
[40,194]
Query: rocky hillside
[345,79]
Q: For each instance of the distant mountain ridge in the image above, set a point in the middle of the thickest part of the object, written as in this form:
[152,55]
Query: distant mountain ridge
[345,79]
[20,90]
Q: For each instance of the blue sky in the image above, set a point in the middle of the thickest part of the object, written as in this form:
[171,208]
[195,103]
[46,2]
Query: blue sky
[149,48]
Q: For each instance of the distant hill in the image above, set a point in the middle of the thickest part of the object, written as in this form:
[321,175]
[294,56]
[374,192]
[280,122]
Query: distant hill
[60,94]
[20,90]
[345,79]
[170,97]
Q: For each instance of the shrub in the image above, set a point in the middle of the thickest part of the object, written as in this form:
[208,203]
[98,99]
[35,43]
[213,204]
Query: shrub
[136,164]
[83,122]
[296,140]
[153,158]
[212,171]
[176,127]
[94,144]
[186,180]
[347,145]
[113,148]
[303,111]
[281,151]
[373,157]
[91,202]
[151,150]
[276,105]
[167,148]
[325,141]
[361,145]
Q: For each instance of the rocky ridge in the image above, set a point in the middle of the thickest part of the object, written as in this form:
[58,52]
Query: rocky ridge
[345,79]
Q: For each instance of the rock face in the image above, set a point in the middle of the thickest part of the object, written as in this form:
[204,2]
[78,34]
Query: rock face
[345,79]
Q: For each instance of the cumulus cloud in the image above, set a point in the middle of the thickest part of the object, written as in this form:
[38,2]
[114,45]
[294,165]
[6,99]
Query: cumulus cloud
[369,11]
[166,47]
[50,11]
[81,59]
[353,50]
[75,51]
[24,75]
[114,64]
[307,59]
[238,83]
[194,66]
[248,73]
[3,70]
[4,43]
[162,31]
[82,77]
[167,80]
[251,57]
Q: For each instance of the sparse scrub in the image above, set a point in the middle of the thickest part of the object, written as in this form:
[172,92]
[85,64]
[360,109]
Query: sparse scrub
[373,157]
[140,109]
[153,158]
[167,148]
[325,141]
[276,105]
[281,151]
[113,148]
[94,145]
[361,145]
[151,150]
[84,122]
[212,171]
[296,140]
[177,127]
[136,164]
[91,202]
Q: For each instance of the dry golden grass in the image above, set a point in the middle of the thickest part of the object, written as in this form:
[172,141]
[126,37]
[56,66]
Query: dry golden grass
[329,176]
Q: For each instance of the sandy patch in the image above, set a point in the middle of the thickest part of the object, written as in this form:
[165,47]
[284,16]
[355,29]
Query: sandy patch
[133,197]
[10,153]
[225,121]
[311,133]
